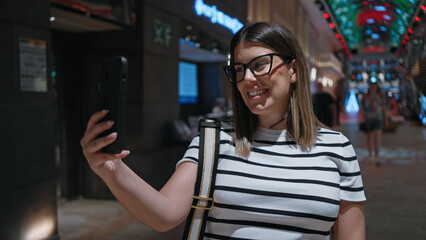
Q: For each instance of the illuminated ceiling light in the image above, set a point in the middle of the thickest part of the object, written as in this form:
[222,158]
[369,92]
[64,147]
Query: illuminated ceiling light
[407,37]
[417,19]
[370,21]
[380,8]
[331,25]
[375,36]
[423,7]
[387,17]
[326,15]
[52,19]
[338,36]
[410,31]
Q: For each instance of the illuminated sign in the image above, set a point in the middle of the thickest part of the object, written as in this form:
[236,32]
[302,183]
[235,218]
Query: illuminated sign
[162,33]
[217,16]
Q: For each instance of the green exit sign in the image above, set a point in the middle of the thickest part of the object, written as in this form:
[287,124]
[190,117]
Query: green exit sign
[163,33]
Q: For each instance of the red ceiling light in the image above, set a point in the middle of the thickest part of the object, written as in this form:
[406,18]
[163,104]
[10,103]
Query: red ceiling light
[407,37]
[338,36]
[326,15]
[331,25]
[423,7]
[410,31]
[417,19]
[404,42]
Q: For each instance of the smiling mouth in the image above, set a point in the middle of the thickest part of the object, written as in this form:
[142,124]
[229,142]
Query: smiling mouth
[255,93]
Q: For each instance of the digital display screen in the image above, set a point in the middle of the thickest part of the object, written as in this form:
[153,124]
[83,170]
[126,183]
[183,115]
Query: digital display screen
[188,83]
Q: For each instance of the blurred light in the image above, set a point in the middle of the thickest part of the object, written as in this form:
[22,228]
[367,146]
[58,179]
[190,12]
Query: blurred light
[375,36]
[338,36]
[326,15]
[364,76]
[387,17]
[423,8]
[313,74]
[331,25]
[52,19]
[370,21]
[380,8]
[352,104]
[417,19]
[382,77]
[407,37]
[410,31]
[43,228]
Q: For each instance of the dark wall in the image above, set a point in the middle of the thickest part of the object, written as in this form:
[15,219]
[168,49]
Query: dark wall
[152,85]
[27,164]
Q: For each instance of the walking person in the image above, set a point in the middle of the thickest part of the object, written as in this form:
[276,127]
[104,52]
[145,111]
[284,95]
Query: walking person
[279,175]
[373,114]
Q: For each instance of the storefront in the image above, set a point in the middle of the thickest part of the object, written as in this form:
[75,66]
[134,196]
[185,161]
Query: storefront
[175,52]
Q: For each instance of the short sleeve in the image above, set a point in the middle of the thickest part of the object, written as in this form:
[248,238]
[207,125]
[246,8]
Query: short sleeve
[351,185]
[191,154]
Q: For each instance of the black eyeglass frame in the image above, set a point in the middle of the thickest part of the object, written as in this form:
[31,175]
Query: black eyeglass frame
[231,74]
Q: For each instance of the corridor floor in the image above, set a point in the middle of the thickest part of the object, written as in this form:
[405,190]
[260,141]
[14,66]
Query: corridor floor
[395,207]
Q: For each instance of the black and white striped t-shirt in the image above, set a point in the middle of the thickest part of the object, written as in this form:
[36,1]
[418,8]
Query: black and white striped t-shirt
[280,191]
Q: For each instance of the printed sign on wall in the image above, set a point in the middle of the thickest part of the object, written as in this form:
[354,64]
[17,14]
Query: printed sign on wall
[32,62]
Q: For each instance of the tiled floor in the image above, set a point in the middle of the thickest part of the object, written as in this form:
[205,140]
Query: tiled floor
[395,209]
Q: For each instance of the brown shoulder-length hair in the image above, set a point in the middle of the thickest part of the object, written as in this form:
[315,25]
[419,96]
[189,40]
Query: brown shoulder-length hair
[302,124]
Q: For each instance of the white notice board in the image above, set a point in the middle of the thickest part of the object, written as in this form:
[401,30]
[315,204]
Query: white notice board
[32,61]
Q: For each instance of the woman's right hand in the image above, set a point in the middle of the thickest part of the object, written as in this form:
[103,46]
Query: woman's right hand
[103,164]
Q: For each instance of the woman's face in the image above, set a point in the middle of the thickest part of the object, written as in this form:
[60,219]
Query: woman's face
[373,88]
[266,96]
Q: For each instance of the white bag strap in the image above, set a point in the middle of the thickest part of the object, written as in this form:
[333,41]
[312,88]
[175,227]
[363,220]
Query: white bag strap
[203,193]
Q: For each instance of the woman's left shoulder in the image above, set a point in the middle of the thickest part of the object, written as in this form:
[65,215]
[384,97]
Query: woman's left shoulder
[330,135]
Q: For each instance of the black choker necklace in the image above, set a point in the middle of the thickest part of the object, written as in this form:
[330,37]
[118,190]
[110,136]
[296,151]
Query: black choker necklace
[282,119]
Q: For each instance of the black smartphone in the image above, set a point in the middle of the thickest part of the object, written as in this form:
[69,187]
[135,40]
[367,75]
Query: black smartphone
[113,96]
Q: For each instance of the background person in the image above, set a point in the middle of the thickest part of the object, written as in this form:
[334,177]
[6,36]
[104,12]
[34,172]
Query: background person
[373,114]
[324,107]
[279,176]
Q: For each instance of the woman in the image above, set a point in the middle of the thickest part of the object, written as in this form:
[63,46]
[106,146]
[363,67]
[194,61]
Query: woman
[373,113]
[280,176]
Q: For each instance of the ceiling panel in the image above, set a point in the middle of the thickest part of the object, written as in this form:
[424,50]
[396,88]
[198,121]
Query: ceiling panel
[372,25]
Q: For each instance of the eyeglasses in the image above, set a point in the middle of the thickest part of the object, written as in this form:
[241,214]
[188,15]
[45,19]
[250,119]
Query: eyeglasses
[259,66]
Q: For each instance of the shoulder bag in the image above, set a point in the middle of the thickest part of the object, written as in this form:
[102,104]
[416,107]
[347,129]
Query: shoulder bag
[203,200]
